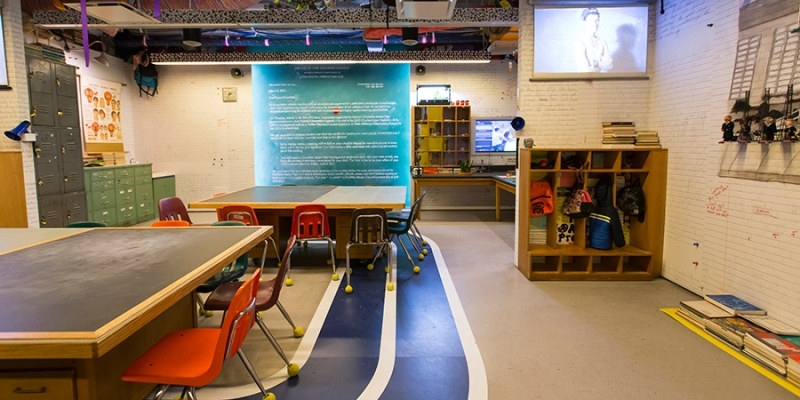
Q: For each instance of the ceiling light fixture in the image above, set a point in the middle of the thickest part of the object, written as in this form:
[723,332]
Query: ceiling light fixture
[308,38]
[227,38]
[385,39]
[424,38]
[433,37]
[192,37]
[410,36]
[266,42]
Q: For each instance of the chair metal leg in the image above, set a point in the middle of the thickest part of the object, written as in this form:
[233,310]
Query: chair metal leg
[285,314]
[277,251]
[161,392]
[251,371]
[272,340]
[400,240]
[191,394]
[413,242]
[184,391]
[333,259]
[347,288]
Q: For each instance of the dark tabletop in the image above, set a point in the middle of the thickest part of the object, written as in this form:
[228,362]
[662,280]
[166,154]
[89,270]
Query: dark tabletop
[273,194]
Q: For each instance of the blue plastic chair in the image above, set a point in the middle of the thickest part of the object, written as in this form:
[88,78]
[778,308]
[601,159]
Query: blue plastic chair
[402,227]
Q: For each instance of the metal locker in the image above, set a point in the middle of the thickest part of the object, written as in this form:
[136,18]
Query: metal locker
[68,112]
[75,208]
[47,148]
[66,84]
[49,180]
[70,147]
[42,109]
[51,212]
[73,176]
[40,76]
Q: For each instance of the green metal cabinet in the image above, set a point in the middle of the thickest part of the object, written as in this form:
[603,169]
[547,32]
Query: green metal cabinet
[163,187]
[120,195]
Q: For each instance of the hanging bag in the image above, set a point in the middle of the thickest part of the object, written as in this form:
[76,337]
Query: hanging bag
[578,203]
[541,202]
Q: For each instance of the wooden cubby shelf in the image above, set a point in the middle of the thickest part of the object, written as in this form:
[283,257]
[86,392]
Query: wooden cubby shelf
[441,135]
[639,259]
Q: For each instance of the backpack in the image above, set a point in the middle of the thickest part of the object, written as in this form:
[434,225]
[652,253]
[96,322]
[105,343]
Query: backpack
[578,203]
[145,74]
[630,199]
[599,231]
[541,201]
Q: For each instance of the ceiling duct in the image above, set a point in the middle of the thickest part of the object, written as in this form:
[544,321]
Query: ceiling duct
[191,37]
[410,36]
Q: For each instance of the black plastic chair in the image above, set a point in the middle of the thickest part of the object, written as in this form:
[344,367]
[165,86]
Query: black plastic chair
[398,228]
[403,216]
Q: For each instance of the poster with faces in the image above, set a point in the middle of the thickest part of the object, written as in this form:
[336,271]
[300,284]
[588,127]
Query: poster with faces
[100,110]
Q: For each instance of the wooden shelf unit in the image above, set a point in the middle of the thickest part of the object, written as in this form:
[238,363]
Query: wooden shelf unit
[639,259]
[441,135]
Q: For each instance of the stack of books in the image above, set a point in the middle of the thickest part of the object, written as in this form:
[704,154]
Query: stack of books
[698,311]
[619,133]
[770,349]
[44,51]
[648,139]
[793,370]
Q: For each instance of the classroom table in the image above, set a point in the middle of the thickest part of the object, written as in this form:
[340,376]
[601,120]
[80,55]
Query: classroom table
[274,206]
[79,305]
[500,183]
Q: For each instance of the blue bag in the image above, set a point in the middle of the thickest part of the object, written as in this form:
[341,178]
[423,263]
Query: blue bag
[599,231]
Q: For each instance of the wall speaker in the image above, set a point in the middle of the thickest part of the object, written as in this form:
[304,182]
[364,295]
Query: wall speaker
[420,70]
[236,73]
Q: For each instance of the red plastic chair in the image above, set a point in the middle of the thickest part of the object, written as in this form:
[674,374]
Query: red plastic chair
[172,208]
[170,223]
[246,215]
[194,357]
[267,297]
[310,222]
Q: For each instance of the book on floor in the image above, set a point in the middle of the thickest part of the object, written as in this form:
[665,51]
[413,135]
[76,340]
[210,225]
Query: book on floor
[704,309]
[689,316]
[771,347]
[773,325]
[732,328]
[779,368]
[733,304]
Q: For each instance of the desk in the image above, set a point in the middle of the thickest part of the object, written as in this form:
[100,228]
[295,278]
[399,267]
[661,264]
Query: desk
[85,303]
[274,206]
[500,183]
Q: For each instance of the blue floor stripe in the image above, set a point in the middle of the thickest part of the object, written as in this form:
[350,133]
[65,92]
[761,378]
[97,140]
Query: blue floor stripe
[430,360]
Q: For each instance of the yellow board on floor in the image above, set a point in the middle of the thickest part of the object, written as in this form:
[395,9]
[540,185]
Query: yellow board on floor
[780,380]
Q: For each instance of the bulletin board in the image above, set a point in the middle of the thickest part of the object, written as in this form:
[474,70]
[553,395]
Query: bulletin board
[101,115]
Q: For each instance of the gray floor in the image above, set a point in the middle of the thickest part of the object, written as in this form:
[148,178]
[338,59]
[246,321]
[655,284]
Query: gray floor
[559,340]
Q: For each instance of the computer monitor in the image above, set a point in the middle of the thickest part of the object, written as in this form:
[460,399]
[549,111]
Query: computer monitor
[493,135]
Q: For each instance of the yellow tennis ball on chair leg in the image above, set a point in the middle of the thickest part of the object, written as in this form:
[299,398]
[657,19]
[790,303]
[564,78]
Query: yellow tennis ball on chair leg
[370,267]
[293,369]
[390,286]
[421,256]
[298,332]
[289,282]
[348,289]
[416,269]
[269,396]
[425,251]
[335,277]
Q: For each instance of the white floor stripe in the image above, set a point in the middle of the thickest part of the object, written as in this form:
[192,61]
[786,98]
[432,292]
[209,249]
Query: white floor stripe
[385,367]
[478,386]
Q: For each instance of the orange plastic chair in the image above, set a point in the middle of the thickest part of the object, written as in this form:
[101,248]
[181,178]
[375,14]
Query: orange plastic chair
[171,208]
[310,222]
[170,223]
[194,357]
[267,297]
[246,215]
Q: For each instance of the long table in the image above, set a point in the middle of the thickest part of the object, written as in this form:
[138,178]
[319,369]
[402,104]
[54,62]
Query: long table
[80,305]
[500,183]
[274,206]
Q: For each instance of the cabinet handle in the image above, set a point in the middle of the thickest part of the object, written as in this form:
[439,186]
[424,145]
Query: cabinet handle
[66,179]
[20,390]
[38,149]
[43,221]
[40,182]
[30,74]
[58,82]
[63,150]
[33,112]
[60,113]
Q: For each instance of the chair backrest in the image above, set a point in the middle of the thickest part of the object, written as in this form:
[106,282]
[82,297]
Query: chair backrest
[310,221]
[228,223]
[276,283]
[239,213]
[87,224]
[172,208]
[369,226]
[239,318]
[418,202]
[170,223]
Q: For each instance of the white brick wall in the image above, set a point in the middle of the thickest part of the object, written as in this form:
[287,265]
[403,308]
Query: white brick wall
[15,102]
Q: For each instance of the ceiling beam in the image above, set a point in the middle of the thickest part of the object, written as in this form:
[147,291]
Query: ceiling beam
[285,19]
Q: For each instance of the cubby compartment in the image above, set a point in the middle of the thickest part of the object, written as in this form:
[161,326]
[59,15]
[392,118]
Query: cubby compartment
[463,113]
[440,139]
[544,263]
[636,264]
[575,263]
[605,160]
[635,160]
[551,160]
[572,159]
[606,264]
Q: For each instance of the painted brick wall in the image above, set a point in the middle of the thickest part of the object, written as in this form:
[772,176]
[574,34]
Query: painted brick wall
[187,128]
[746,231]
[15,102]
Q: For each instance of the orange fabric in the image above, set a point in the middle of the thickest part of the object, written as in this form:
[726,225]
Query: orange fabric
[194,357]
[310,221]
[239,213]
[173,223]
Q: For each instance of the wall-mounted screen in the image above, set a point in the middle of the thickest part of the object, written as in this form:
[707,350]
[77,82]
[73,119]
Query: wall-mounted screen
[493,135]
[3,70]
[590,42]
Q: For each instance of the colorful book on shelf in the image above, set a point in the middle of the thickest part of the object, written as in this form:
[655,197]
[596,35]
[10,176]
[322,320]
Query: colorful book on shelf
[733,304]
[773,325]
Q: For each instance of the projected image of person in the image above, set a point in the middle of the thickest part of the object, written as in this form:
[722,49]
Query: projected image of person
[591,51]
[624,58]
[501,138]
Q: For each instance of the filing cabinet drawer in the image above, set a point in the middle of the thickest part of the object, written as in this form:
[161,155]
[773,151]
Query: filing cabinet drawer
[126,172]
[143,170]
[103,199]
[100,175]
[107,216]
[125,196]
[37,385]
[143,180]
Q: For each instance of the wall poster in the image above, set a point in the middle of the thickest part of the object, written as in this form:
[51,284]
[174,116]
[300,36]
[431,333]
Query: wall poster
[342,125]
[100,114]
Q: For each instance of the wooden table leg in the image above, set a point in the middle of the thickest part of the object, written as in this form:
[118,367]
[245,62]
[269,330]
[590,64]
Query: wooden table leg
[496,202]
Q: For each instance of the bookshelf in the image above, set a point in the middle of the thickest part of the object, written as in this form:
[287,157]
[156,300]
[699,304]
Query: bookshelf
[441,135]
[639,259]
